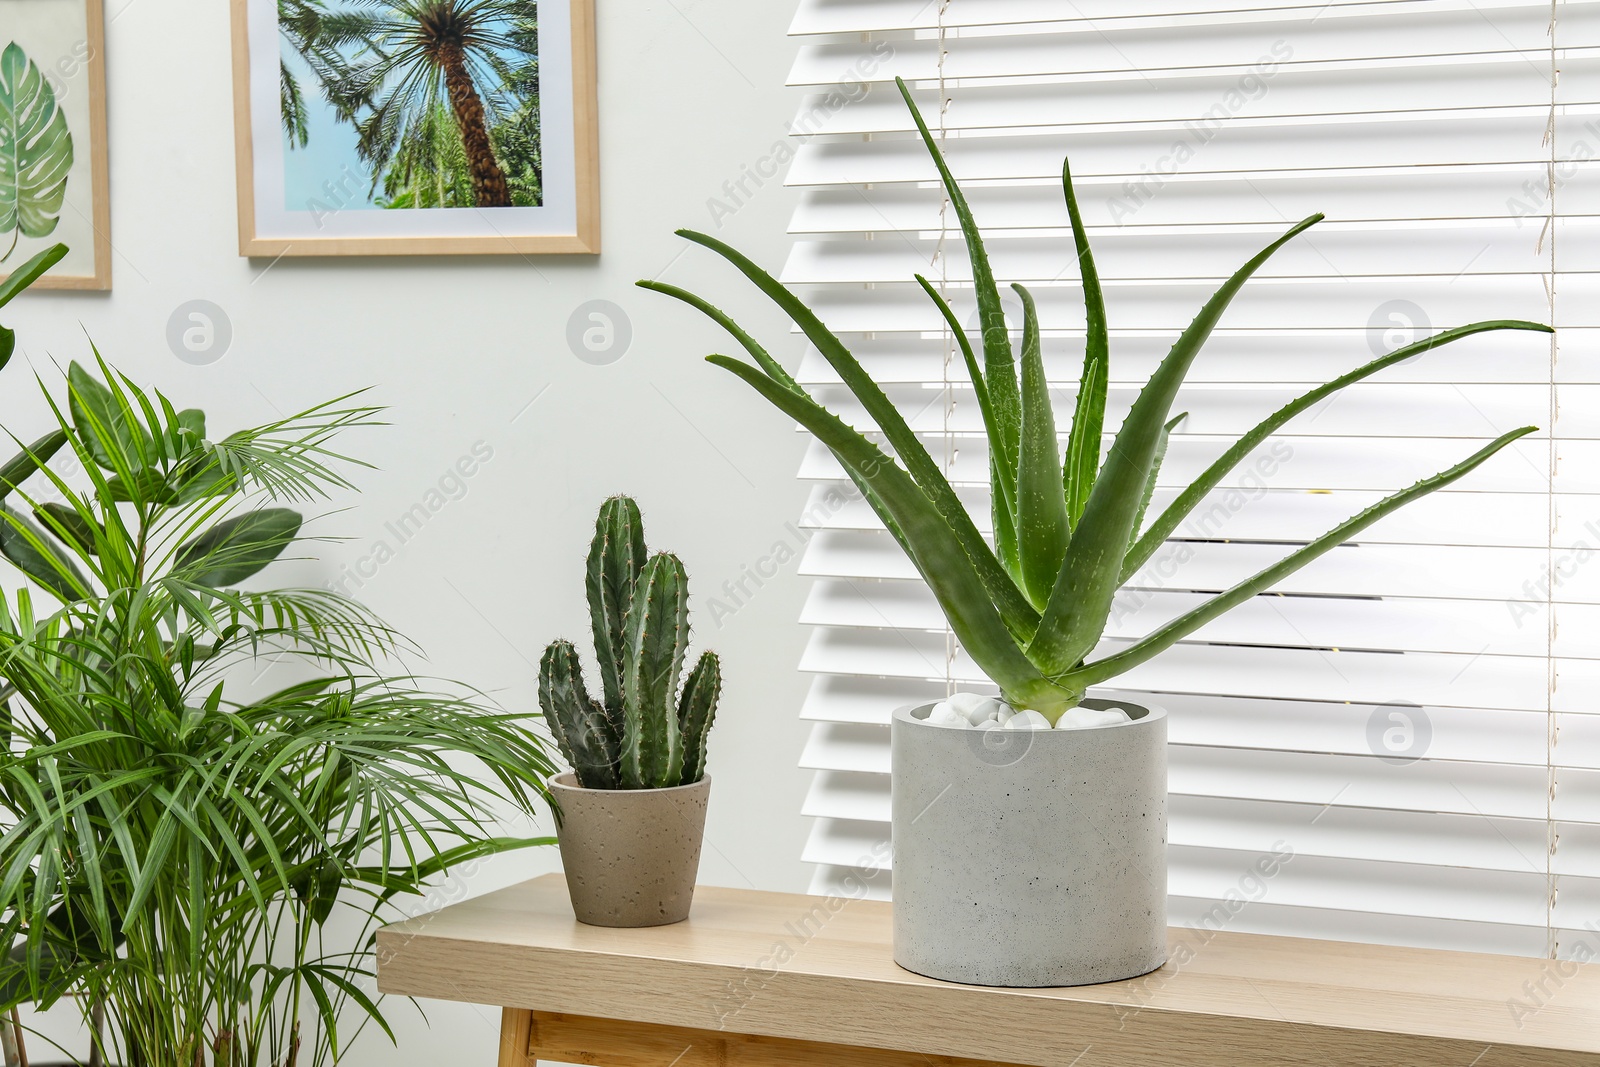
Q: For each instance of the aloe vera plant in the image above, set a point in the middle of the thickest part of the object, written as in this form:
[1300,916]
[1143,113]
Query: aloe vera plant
[644,734]
[1069,526]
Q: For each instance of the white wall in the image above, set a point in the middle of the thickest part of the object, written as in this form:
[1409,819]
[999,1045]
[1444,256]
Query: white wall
[690,91]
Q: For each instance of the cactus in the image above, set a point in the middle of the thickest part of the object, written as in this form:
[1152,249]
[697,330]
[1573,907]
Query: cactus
[641,734]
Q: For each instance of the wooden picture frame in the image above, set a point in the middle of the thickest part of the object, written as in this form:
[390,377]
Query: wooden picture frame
[440,207]
[52,63]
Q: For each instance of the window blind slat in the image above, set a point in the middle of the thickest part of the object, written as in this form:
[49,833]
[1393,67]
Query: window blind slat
[1493,575]
[816,17]
[1289,515]
[1468,678]
[1385,196]
[1325,464]
[1364,148]
[1255,357]
[1266,47]
[1405,624]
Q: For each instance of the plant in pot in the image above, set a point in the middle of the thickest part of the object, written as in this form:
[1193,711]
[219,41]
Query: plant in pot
[631,813]
[193,852]
[1029,831]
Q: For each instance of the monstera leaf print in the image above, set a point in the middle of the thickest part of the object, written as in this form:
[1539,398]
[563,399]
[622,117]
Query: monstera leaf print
[35,150]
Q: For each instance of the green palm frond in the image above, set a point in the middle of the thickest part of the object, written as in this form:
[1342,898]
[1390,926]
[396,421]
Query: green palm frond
[180,841]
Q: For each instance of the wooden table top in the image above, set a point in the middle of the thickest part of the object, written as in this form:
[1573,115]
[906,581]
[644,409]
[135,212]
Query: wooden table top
[820,969]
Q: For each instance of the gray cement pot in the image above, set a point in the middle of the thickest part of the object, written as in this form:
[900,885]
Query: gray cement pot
[630,855]
[1030,858]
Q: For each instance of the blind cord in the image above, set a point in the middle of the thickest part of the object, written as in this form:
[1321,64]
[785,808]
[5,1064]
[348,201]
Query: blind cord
[949,346]
[1552,728]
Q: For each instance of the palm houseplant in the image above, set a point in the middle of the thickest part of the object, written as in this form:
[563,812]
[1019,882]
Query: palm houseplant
[210,794]
[632,810]
[1030,834]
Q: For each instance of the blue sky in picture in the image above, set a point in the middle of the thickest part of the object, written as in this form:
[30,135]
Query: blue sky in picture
[326,175]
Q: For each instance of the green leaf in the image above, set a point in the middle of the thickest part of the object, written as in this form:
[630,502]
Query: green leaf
[25,545]
[762,357]
[1097,344]
[317,885]
[1190,498]
[1019,613]
[29,272]
[938,556]
[200,476]
[236,548]
[1042,528]
[186,431]
[1179,628]
[25,463]
[443,860]
[102,423]
[1082,461]
[68,525]
[1002,457]
[1000,370]
[1081,603]
[1088,420]
[35,149]
[1155,471]
[147,486]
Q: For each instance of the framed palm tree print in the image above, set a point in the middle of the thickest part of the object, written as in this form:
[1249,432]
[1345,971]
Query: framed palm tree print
[415,127]
[53,169]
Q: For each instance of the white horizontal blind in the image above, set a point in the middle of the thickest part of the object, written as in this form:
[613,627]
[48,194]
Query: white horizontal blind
[1414,715]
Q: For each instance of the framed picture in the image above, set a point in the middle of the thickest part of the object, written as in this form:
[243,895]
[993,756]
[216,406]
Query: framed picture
[54,182]
[415,127]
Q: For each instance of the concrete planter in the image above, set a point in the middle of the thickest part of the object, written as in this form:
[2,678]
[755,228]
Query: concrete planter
[1030,857]
[630,855]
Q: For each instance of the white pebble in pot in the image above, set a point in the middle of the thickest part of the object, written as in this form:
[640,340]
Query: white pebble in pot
[972,707]
[1082,718]
[1028,720]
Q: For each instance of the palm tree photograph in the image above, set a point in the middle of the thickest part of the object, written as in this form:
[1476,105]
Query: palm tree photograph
[405,104]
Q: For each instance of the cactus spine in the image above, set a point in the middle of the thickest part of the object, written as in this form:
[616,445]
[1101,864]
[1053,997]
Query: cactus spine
[642,734]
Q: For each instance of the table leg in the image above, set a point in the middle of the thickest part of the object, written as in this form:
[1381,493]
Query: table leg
[516,1034]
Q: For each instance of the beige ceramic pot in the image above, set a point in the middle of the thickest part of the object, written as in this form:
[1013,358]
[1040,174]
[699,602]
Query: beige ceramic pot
[630,855]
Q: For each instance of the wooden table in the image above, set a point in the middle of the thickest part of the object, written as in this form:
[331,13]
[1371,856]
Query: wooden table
[779,980]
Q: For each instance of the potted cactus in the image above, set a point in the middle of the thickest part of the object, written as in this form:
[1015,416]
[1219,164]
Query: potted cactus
[1030,829]
[632,810]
